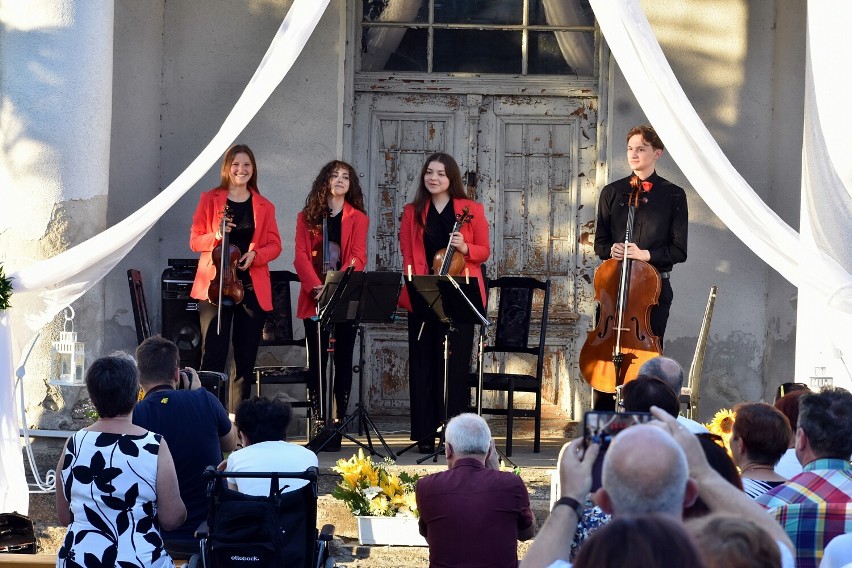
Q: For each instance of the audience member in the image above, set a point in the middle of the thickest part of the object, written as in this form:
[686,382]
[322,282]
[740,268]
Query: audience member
[192,421]
[816,505]
[649,541]
[649,468]
[645,391]
[759,438]
[838,552]
[786,388]
[730,542]
[473,501]
[789,466]
[116,484]
[718,458]
[262,425]
[669,371]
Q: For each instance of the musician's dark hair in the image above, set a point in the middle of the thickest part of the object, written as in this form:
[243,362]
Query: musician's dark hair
[652,541]
[158,359]
[113,385]
[316,203]
[263,419]
[228,159]
[648,134]
[422,197]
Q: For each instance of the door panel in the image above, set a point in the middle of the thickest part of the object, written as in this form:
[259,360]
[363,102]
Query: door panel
[535,162]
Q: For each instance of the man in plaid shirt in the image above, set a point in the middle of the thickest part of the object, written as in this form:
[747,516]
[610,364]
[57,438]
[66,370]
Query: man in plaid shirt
[816,505]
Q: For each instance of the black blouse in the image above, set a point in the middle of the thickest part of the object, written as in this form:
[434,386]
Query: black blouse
[660,224]
[438,229]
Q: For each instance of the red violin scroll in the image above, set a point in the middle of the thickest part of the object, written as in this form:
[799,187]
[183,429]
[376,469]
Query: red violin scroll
[449,260]
[226,286]
[622,340]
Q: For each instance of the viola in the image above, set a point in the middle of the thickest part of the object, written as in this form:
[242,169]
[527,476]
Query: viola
[330,258]
[226,287]
[622,340]
[449,261]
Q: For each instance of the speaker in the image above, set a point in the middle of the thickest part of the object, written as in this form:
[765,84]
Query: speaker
[181,323]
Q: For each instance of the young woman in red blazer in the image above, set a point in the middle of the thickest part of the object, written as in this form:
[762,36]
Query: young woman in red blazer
[336,194]
[425,228]
[254,231]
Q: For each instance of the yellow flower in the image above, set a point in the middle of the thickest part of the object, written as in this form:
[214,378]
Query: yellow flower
[379,505]
[722,423]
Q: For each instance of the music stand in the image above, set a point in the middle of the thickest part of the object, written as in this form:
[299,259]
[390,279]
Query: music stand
[367,297]
[450,301]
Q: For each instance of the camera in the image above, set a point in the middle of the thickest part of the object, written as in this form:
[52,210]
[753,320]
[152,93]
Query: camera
[601,427]
[185,380]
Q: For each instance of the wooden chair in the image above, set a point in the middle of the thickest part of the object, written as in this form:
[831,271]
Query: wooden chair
[278,332]
[140,305]
[511,336]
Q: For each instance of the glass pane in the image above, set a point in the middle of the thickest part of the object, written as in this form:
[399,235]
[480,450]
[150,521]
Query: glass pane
[479,11]
[561,53]
[393,49]
[397,11]
[475,51]
[561,13]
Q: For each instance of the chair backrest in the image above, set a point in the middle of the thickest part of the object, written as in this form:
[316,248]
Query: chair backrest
[140,306]
[515,314]
[278,328]
[278,530]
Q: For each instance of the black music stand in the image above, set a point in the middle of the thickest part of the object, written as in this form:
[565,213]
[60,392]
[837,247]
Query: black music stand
[451,301]
[367,297]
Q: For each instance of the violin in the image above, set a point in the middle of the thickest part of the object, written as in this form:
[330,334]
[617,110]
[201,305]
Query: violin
[330,258]
[449,261]
[622,340]
[226,287]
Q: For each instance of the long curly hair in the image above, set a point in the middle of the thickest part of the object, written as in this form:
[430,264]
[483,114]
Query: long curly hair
[228,159]
[316,203]
[423,197]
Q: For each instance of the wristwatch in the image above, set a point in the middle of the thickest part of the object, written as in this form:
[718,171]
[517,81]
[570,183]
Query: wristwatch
[571,502]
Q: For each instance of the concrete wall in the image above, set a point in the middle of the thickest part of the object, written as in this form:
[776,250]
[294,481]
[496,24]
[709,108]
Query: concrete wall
[180,67]
[741,63]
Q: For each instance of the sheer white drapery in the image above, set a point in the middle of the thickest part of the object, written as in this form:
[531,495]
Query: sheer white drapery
[45,287]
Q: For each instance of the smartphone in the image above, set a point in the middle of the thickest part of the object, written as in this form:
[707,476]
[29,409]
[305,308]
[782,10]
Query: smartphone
[600,427]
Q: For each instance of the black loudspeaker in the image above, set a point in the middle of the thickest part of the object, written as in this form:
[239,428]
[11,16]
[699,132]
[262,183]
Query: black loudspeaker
[181,323]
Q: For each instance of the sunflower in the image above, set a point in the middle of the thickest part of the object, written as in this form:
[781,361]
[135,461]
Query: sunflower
[722,423]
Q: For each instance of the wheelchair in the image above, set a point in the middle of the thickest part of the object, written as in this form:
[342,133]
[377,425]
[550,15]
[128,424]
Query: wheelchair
[278,530]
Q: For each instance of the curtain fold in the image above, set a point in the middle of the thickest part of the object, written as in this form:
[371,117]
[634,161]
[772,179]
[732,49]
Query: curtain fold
[43,288]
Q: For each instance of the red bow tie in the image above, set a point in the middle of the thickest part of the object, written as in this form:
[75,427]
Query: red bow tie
[646,186]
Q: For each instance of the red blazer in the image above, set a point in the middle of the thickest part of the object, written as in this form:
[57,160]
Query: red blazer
[353,232]
[266,243]
[414,254]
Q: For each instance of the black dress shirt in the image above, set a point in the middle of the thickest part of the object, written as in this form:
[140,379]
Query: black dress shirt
[659,226]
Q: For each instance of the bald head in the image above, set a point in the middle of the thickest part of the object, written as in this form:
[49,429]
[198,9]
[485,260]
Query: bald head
[645,471]
[665,369]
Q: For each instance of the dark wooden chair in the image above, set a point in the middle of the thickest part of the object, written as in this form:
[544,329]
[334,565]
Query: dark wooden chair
[511,336]
[278,332]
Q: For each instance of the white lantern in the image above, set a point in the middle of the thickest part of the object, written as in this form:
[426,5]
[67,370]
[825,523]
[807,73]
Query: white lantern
[67,356]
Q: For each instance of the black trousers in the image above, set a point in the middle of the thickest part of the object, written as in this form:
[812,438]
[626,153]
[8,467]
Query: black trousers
[659,320]
[344,346]
[426,374]
[246,319]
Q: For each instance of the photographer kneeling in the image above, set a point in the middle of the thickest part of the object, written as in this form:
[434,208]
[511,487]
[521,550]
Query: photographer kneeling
[194,424]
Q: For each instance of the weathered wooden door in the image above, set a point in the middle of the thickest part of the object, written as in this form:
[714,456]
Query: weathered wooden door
[533,160]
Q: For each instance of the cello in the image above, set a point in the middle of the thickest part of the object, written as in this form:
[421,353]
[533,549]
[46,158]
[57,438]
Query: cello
[226,286]
[625,291]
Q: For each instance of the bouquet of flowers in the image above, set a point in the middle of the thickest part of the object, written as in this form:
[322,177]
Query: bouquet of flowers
[372,489]
[5,290]
[723,425]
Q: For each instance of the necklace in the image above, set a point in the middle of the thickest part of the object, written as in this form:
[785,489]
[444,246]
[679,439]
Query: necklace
[756,466]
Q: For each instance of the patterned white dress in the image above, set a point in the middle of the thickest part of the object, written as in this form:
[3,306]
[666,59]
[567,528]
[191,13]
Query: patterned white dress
[110,482]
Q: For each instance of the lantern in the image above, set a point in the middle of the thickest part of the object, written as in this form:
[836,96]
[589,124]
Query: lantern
[67,356]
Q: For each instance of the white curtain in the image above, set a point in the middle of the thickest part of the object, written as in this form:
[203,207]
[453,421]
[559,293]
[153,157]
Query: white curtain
[47,286]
